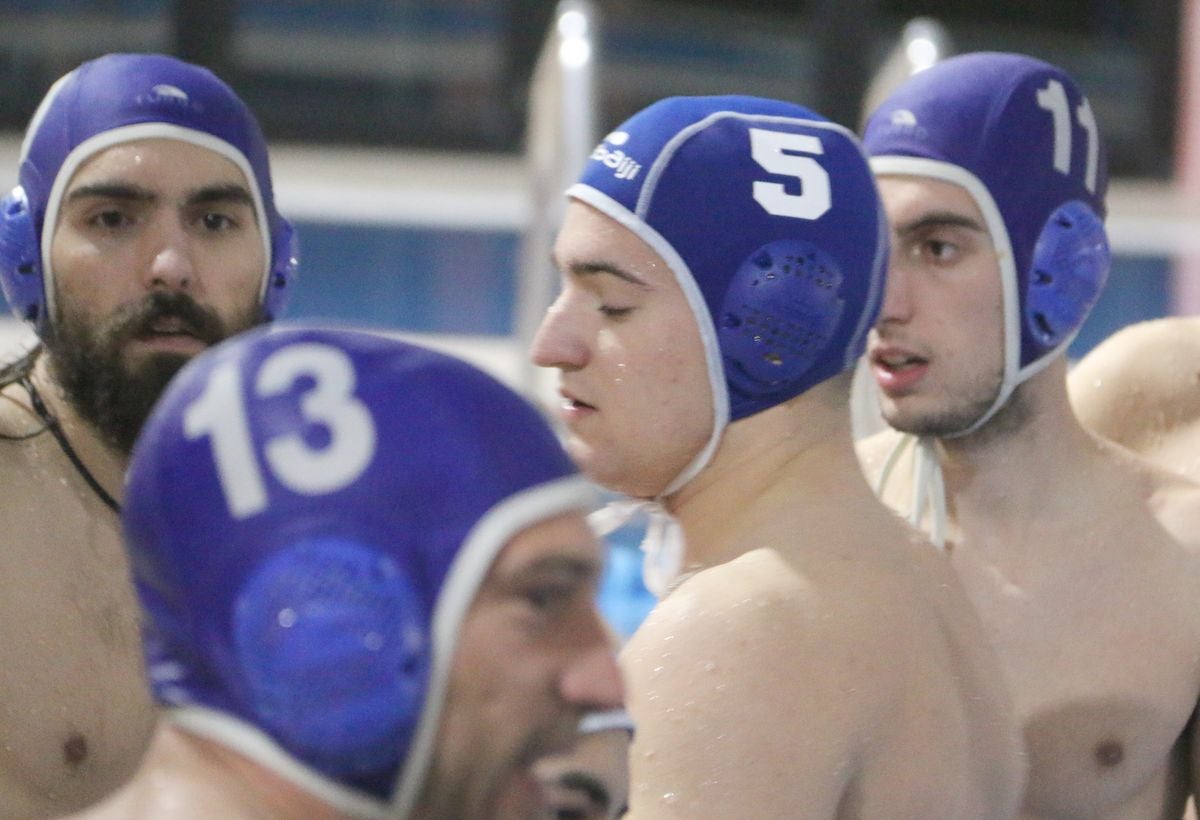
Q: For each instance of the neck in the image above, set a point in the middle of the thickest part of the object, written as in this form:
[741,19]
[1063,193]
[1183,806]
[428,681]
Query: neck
[790,457]
[1017,463]
[105,464]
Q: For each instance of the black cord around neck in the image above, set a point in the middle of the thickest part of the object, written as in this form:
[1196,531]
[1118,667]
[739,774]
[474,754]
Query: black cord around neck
[51,422]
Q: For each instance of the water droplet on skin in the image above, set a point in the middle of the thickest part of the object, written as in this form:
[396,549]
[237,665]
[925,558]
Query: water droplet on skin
[710,666]
[669,798]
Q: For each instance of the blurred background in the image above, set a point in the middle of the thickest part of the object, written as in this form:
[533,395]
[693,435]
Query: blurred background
[421,146]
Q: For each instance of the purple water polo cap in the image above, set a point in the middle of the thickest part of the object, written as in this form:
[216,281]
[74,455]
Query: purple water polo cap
[767,214]
[310,513]
[1021,138]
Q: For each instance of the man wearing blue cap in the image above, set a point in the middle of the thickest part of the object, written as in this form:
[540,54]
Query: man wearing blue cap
[722,262]
[369,585]
[1082,560]
[142,230]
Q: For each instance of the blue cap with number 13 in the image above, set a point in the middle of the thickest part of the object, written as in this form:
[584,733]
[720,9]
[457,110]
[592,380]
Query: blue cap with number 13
[309,514]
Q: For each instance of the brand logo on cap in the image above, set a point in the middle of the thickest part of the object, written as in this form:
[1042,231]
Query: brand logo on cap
[164,95]
[904,121]
[623,165]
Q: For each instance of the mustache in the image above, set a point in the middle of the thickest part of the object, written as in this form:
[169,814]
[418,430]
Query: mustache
[142,318]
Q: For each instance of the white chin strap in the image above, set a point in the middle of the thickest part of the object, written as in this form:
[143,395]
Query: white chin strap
[929,486]
[662,546]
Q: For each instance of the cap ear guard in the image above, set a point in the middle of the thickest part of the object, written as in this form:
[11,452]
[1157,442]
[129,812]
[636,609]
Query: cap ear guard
[331,638]
[20,260]
[285,264]
[1068,270]
[779,316]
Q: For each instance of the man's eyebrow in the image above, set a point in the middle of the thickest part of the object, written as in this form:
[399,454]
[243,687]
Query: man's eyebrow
[594,267]
[111,190]
[939,219]
[136,193]
[221,193]
[595,790]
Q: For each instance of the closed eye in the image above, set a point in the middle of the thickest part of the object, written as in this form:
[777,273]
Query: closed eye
[615,312]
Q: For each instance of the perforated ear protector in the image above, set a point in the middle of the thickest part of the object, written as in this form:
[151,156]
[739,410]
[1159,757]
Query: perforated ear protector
[1069,268]
[326,604]
[20,259]
[285,265]
[779,315]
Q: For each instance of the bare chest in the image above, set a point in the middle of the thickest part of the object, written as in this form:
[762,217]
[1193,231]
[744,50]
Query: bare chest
[1103,663]
[76,713]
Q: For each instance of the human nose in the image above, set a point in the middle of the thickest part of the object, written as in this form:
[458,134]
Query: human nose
[171,265]
[592,680]
[897,293]
[557,342]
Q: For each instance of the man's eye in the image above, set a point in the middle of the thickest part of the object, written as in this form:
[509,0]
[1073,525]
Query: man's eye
[548,596]
[939,250]
[217,222]
[615,312]
[110,219]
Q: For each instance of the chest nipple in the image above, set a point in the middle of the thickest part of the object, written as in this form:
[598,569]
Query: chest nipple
[1108,753]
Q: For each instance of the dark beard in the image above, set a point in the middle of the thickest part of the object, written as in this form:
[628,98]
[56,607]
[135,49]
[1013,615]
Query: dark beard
[87,361]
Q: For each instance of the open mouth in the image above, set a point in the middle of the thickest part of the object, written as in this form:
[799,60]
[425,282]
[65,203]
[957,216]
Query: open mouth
[571,403]
[894,361]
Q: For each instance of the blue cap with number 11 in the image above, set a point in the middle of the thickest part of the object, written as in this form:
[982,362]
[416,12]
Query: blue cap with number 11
[767,214]
[1021,138]
[309,514]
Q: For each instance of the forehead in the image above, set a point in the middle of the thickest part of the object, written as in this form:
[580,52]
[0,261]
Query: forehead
[563,537]
[909,198]
[587,235]
[158,164]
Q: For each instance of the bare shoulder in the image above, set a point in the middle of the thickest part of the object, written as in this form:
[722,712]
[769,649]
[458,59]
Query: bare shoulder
[756,622]
[767,660]
[1149,367]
